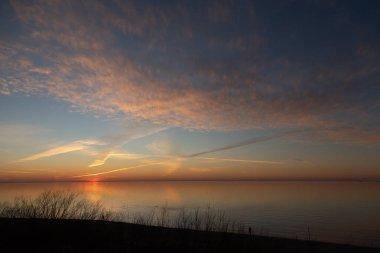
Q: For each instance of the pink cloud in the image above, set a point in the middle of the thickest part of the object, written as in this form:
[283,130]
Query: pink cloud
[85,65]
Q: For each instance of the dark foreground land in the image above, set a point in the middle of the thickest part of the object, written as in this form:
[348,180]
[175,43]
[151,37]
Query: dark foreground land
[39,235]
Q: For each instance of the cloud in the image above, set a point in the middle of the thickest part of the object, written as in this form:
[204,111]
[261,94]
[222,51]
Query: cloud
[162,147]
[177,66]
[16,172]
[171,163]
[242,160]
[124,155]
[117,170]
[242,144]
[116,141]
[75,146]
[105,146]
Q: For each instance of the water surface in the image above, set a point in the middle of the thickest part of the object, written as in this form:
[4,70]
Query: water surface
[344,212]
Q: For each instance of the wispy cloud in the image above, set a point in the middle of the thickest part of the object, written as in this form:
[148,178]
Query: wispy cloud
[177,66]
[242,160]
[16,172]
[127,156]
[173,163]
[105,147]
[243,143]
[75,146]
[118,170]
[163,147]
[116,141]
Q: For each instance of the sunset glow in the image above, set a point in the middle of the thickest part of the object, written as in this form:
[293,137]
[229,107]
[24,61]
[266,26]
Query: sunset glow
[191,90]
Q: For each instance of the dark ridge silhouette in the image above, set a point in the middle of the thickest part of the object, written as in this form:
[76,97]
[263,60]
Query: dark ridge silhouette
[51,235]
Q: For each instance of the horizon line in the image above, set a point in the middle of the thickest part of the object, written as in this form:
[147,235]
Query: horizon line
[201,180]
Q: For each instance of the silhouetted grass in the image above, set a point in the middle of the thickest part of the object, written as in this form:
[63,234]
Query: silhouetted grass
[66,204]
[56,205]
[64,221]
[206,219]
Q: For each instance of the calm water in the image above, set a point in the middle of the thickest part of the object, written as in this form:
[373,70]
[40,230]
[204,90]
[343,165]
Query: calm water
[338,212]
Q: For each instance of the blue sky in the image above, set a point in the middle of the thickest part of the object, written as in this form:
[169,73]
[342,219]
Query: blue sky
[119,90]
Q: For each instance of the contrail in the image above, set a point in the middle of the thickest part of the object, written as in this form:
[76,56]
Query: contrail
[74,146]
[116,141]
[241,144]
[158,163]
[116,170]
[241,160]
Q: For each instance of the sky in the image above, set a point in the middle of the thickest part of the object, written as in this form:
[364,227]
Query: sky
[189,90]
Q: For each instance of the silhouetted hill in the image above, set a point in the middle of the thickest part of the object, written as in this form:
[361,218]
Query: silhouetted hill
[42,235]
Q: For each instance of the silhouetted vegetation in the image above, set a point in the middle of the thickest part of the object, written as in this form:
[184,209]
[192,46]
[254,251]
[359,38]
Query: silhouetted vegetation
[207,219]
[72,205]
[56,205]
[64,221]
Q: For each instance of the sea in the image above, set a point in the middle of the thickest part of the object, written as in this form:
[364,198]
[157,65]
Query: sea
[340,212]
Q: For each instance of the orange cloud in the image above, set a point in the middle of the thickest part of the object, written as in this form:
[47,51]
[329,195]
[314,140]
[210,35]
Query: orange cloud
[242,160]
[164,79]
[127,156]
[76,146]
[117,170]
